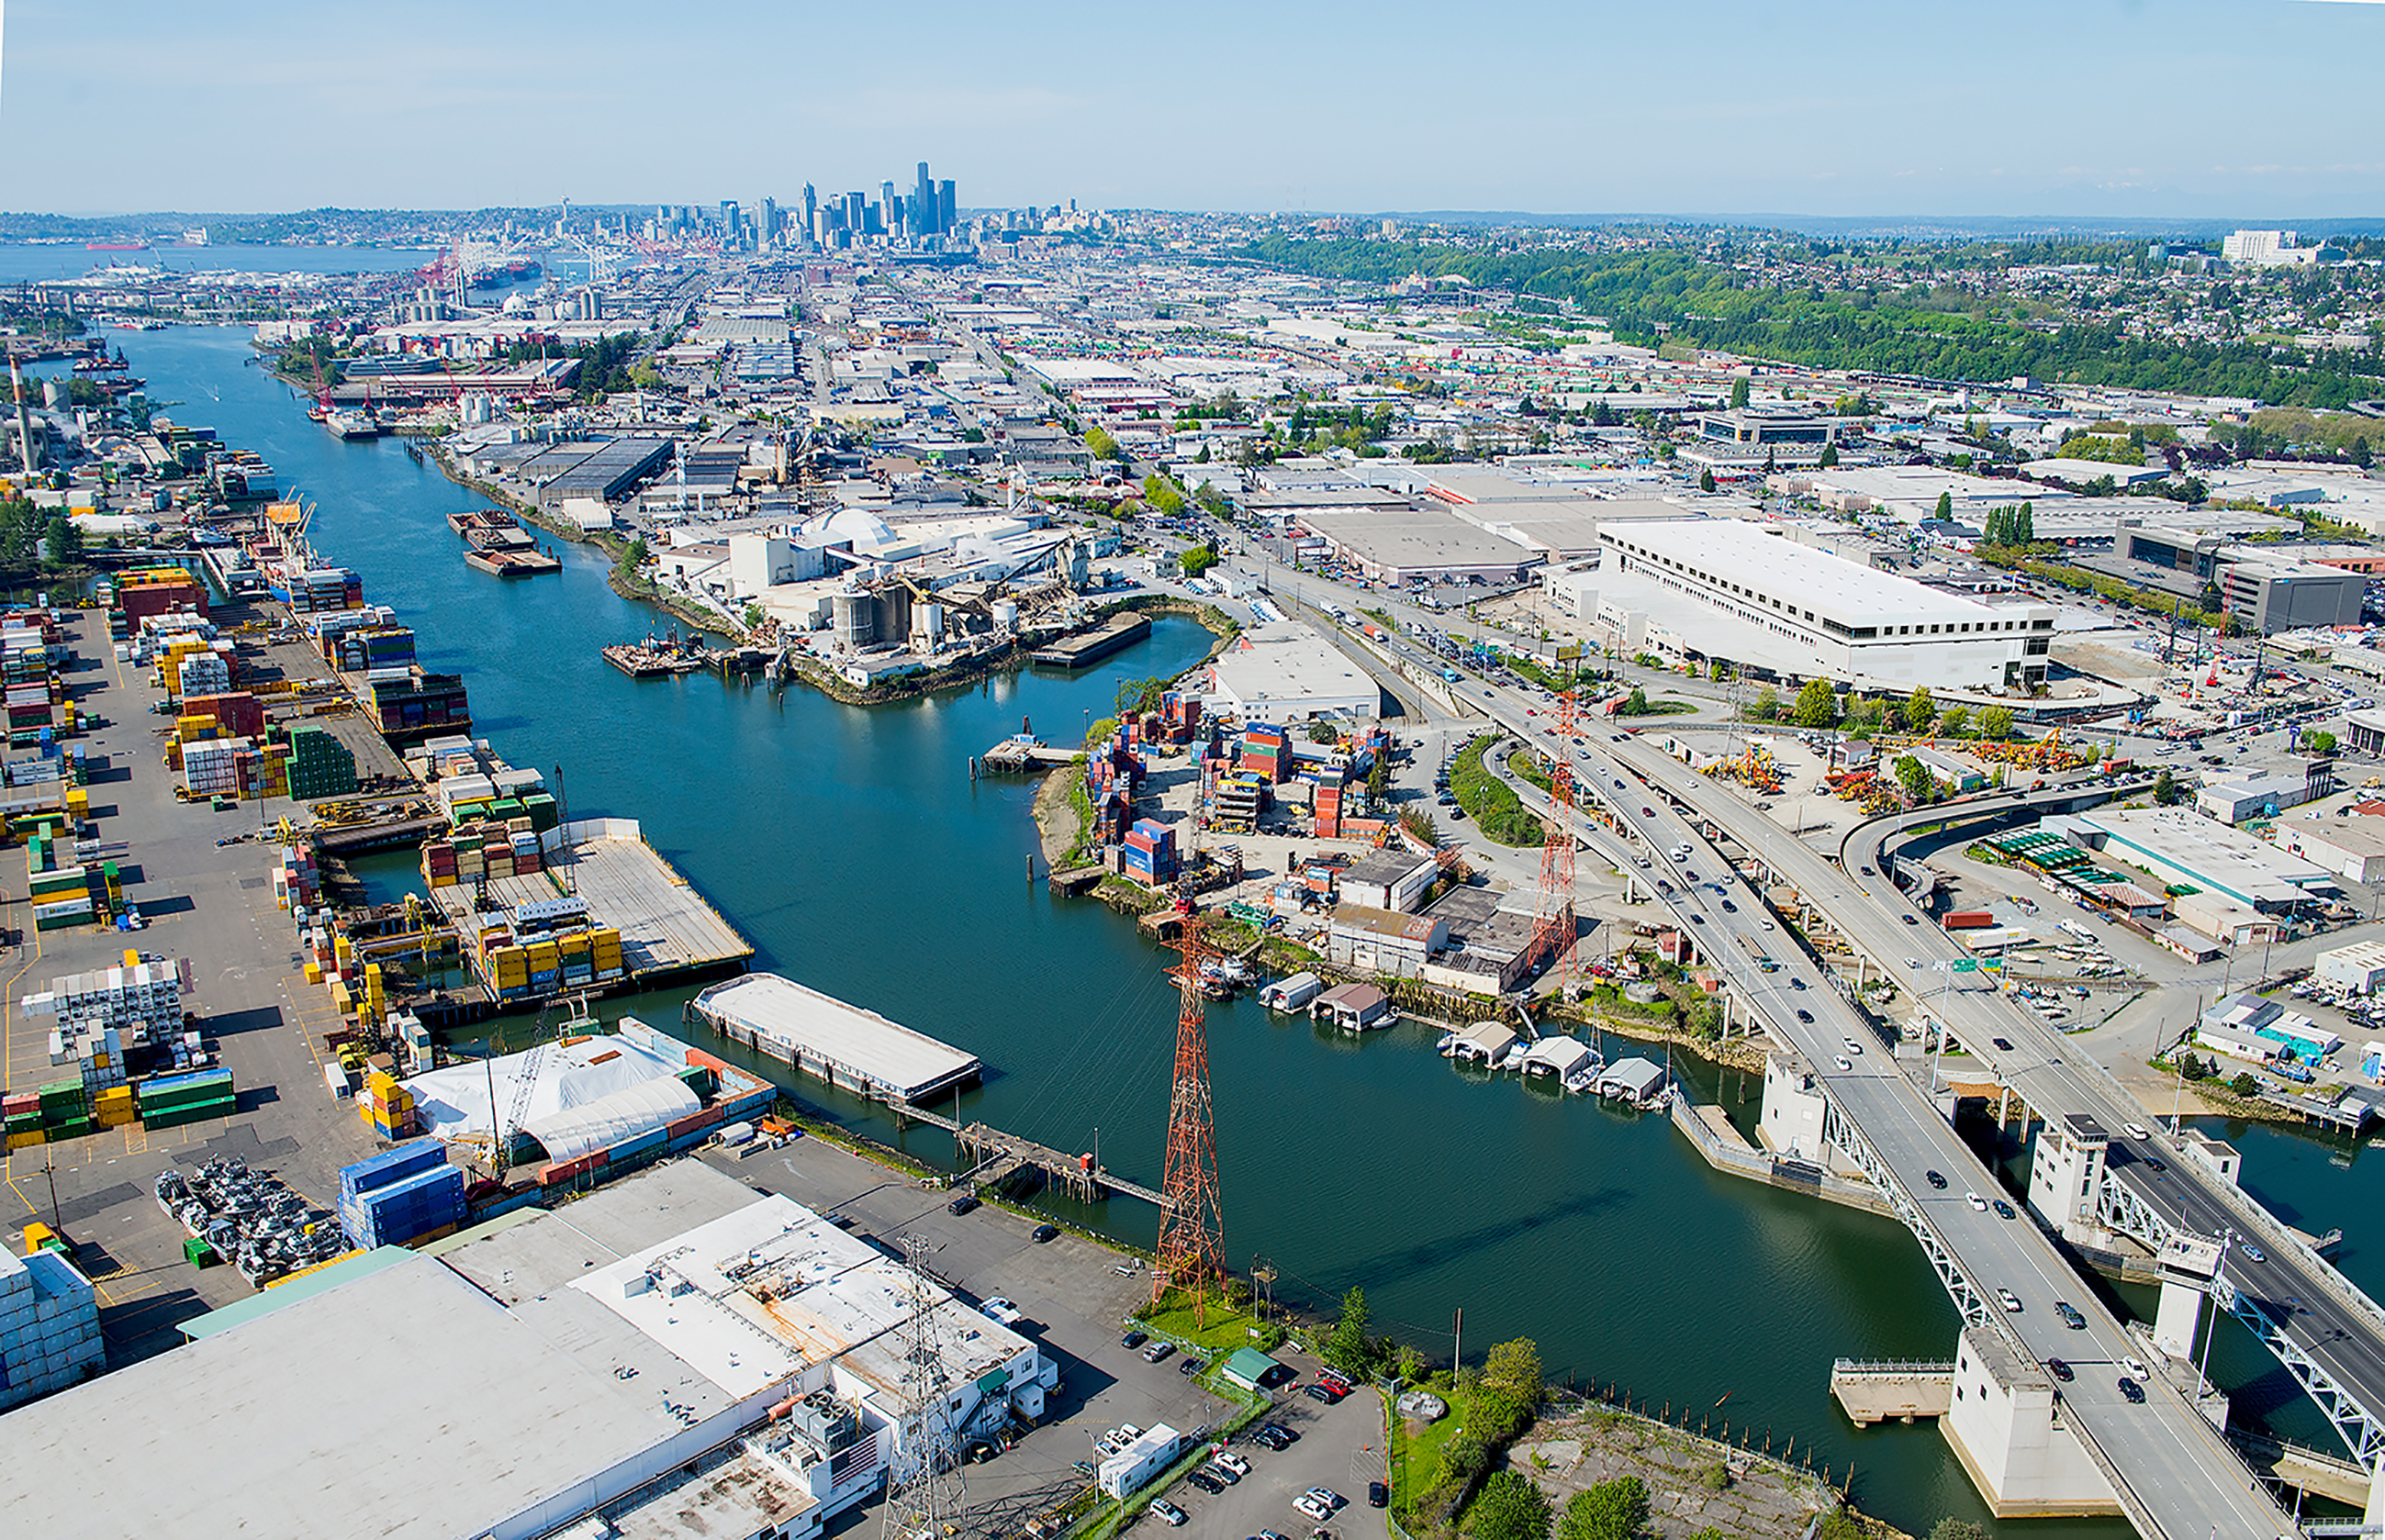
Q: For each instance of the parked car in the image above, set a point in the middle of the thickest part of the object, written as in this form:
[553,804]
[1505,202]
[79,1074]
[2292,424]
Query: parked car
[1043,1232]
[1134,1339]
[1206,1482]
[1167,1512]
[1310,1508]
[1219,1471]
[1191,1366]
[962,1204]
[1378,1494]
[1157,1352]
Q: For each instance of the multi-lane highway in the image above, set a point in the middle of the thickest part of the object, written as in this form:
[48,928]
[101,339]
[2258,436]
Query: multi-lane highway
[2174,1473]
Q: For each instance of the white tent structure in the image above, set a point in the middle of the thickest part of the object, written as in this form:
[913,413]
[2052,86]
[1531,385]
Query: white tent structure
[453,1102]
[599,1125]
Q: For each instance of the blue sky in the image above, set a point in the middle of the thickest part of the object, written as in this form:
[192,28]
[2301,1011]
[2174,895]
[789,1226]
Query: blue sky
[2258,109]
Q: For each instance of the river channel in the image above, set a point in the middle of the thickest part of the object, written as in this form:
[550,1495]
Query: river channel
[851,846]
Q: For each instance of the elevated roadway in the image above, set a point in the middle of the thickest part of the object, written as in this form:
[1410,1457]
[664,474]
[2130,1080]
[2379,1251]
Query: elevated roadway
[2173,1475]
[2327,1332]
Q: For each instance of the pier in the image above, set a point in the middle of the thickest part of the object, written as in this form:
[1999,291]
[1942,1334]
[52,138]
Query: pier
[990,1156]
[1872,1392]
[1024,756]
[1079,649]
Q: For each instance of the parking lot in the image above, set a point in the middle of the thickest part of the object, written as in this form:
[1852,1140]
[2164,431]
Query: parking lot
[1075,1302]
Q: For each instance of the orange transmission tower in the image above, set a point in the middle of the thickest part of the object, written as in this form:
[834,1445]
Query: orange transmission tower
[1553,922]
[1193,1232]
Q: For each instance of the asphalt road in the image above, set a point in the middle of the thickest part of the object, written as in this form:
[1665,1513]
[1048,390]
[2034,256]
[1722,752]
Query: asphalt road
[2183,1477]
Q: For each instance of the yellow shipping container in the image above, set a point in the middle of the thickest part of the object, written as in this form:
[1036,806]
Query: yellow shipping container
[314,973]
[443,879]
[341,999]
[25,1141]
[114,1093]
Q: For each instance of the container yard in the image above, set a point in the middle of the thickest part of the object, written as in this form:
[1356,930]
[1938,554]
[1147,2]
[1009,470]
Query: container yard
[845,1045]
[595,878]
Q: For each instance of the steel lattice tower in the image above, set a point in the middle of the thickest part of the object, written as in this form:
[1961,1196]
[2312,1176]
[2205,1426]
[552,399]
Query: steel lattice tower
[1193,1232]
[924,1494]
[1553,920]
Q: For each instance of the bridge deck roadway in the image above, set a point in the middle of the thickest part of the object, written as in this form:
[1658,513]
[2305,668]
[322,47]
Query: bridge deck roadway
[2178,1478]
[2340,1329]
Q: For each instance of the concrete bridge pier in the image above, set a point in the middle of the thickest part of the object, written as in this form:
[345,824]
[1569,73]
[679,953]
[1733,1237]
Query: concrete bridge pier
[2188,1265]
[2006,1425]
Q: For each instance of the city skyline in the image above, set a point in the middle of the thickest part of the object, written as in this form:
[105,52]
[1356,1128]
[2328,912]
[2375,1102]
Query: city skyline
[1853,109]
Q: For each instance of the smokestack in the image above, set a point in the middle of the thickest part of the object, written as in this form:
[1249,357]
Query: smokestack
[24,423]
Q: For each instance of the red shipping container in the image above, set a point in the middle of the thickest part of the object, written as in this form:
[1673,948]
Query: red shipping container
[1968,919]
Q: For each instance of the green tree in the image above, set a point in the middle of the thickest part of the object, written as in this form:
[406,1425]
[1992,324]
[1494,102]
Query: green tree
[1514,1368]
[1829,460]
[1100,445]
[1162,494]
[63,544]
[1348,1347]
[1197,560]
[1510,1507]
[1739,393]
[1920,710]
[1768,705]
[1995,723]
[1101,730]
[2025,525]
[1705,480]
[1817,706]
[2318,742]
[1616,1509]
[1955,722]
[633,556]
[1919,785]
[2165,786]
[1638,705]
[1945,505]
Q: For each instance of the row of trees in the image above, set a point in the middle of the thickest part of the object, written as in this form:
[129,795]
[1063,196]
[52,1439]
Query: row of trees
[2014,526]
[1817,706]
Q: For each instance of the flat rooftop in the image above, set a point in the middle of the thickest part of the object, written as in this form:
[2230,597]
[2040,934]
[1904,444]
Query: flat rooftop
[2208,855]
[1288,666]
[1429,539]
[852,1046]
[1735,551]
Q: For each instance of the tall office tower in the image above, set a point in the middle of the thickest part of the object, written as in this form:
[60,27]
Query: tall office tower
[923,204]
[890,208]
[811,212]
[947,220]
[857,208]
[765,227]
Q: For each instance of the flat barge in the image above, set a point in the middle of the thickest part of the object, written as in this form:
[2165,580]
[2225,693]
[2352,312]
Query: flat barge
[1079,649]
[854,1049]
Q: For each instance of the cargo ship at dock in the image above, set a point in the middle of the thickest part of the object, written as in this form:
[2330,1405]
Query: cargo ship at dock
[500,546]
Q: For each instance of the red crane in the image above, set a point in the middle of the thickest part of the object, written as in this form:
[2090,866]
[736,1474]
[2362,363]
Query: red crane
[1553,924]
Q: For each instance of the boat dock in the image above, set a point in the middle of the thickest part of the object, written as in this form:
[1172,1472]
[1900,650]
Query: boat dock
[1079,649]
[668,930]
[651,660]
[1024,756]
[989,1155]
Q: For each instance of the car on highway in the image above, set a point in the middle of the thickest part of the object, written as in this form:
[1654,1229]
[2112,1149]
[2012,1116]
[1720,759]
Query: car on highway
[2004,1209]
[1004,1310]
[1910,919]
[1134,1339]
[2132,1390]
[1795,983]
[1851,1045]
[1697,919]
[2010,1300]
[1647,812]
[1167,1513]
[2059,1369]
[2252,1252]
[1618,786]
[2003,1045]
[961,1205]
[1728,907]
[1806,1016]
[1043,1232]
[2069,1314]
[1868,872]
[1844,1064]
[1974,1200]
[1157,1352]
[2136,1366]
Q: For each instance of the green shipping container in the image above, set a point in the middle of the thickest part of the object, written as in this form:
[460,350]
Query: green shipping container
[70,1128]
[175,1117]
[198,1253]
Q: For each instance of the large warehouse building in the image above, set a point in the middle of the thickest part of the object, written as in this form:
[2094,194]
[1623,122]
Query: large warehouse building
[670,1355]
[1799,610]
[1286,672]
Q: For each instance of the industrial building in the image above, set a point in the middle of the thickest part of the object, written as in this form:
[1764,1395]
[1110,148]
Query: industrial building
[1393,879]
[676,1353]
[1805,613]
[2265,796]
[2267,589]
[2359,967]
[2246,1027]
[1383,940]
[2353,848]
[2184,848]
[1399,545]
[1286,671]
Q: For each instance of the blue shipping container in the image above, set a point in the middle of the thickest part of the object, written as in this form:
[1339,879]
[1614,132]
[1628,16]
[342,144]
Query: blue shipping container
[393,1165]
